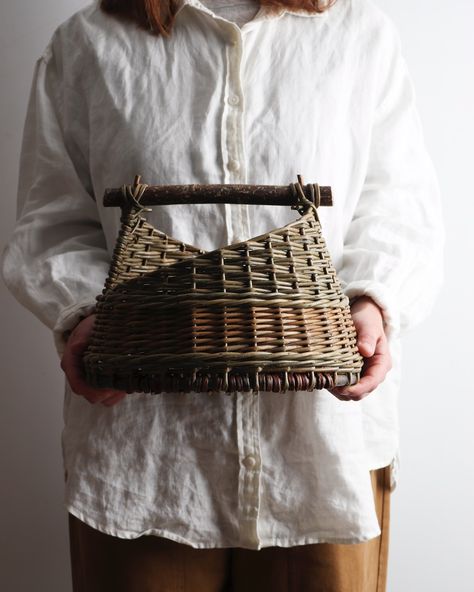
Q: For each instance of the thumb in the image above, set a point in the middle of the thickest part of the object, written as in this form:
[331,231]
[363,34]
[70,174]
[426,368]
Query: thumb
[78,346]
[366,344]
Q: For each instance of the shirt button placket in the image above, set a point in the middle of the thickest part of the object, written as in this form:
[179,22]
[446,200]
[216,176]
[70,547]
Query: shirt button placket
[248,441]
[232,136]
[247,404]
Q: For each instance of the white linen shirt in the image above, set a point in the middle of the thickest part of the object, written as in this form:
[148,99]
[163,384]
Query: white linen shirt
[327,96]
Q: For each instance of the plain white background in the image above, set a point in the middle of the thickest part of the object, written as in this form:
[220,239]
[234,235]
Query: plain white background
[431,546]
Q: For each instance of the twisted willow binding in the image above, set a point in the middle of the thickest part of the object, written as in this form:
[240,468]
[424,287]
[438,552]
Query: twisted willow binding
[266,314]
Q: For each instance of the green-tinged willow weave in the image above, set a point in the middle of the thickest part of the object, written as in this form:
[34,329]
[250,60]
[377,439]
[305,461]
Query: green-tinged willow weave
[267,314]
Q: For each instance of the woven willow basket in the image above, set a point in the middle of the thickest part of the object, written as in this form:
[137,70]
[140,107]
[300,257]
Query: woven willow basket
[266,314]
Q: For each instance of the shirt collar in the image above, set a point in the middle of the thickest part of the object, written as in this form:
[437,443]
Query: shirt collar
[262,14]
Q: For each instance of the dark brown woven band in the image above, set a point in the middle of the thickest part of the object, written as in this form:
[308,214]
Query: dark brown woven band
[212,382]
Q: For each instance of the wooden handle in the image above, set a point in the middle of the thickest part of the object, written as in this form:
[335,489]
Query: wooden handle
[278,195]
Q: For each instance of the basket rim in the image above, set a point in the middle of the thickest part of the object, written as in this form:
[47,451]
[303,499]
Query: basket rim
[234,246]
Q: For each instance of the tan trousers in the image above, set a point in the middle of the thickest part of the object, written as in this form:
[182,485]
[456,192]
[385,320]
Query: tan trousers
[103,563]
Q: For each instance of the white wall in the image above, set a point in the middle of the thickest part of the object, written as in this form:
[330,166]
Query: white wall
[431,512]
[432,547]
[34,554]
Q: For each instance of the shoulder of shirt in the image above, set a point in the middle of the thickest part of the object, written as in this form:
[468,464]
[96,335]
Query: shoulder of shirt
[365,17]
[79,30]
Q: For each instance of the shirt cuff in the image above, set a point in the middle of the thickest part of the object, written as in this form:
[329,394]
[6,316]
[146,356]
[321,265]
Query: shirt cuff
[67,320]
[384,300]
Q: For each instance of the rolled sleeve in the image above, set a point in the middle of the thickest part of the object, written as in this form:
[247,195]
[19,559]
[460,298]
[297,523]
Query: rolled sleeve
[56,260]
[393,248]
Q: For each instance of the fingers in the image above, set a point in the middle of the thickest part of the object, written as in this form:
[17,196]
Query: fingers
[114,399]
[374,370]
[75,376]
[72,365]
[372,345]
[93,395]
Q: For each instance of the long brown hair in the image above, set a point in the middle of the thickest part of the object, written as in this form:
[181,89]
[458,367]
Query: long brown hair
[157,16]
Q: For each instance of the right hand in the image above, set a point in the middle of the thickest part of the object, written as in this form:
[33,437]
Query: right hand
[71,363]
[373,346]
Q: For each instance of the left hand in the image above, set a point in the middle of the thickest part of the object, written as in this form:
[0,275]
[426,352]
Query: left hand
[72,365]
[373,346]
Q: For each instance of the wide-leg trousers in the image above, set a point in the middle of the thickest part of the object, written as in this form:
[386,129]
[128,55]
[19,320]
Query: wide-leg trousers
[103,563]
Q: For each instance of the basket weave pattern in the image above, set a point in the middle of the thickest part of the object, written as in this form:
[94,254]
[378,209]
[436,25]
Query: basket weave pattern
[267,314]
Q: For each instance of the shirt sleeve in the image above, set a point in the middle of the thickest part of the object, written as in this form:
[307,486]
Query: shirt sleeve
[393,248]
[56,260]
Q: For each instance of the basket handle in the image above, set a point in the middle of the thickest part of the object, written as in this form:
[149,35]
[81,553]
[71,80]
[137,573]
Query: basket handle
[276,195]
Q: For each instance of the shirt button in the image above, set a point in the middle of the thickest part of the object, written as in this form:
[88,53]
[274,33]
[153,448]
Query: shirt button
[249,461]
[234,100]
[234,165]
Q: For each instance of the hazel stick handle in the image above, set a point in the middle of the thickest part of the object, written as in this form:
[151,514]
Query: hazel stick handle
[272,195]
